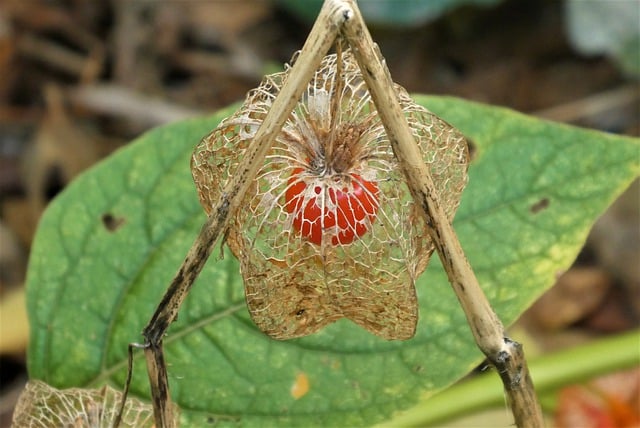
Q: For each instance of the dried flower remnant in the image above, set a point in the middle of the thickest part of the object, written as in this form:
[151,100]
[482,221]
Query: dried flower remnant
[329,229]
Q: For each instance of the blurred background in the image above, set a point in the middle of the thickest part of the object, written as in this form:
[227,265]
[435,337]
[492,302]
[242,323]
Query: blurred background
[80,78]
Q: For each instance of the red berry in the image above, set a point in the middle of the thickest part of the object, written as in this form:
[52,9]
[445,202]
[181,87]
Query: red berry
[347,214]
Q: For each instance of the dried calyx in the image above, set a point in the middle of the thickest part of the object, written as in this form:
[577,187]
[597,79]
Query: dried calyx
[330,230]
[346,148]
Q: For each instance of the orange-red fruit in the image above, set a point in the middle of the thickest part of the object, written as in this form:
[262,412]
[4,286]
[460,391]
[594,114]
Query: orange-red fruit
[351,210]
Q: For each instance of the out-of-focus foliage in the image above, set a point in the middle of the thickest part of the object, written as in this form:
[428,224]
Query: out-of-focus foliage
[388,12]
[606,27]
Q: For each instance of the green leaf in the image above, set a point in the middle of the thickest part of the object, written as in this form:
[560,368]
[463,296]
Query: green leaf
[550,372]
[109,245]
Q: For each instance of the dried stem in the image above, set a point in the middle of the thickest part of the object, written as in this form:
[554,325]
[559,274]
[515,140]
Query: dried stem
[592,105]
[335,99]
[53,54]
[322,36]
[506,355]
[120,101]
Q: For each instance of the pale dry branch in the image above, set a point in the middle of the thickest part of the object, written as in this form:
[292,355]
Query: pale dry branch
[120,101]
[506,355]
[318,43]
[593,105]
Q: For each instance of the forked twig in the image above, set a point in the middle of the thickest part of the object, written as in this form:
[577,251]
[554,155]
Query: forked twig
[343,16]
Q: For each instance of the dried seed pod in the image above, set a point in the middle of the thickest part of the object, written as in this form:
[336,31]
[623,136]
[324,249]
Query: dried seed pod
[329,229]
[42,406]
